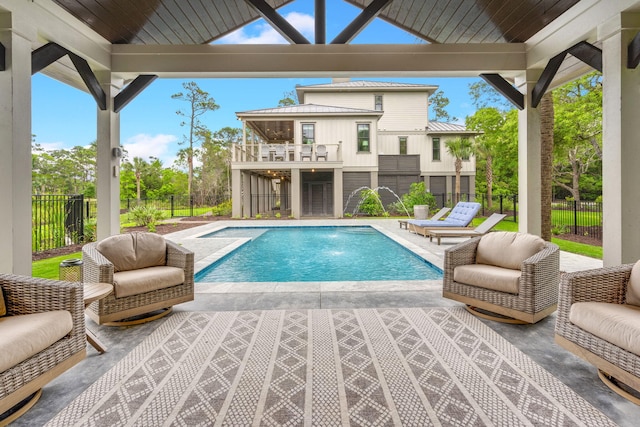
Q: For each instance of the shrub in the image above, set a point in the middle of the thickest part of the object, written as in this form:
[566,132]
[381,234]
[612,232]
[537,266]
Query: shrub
[146,216]
[222,209]
[371,203]
[90,227]
[417,195]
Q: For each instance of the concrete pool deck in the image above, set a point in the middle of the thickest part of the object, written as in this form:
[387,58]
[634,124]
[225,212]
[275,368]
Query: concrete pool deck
[536,341]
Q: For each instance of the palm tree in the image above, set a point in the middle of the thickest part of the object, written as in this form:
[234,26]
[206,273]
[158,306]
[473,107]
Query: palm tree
[486,149]
[461,149]
[138,167]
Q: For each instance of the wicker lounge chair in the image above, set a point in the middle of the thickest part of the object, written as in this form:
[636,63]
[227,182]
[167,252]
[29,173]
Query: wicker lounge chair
[460,217]
[480,230]
[599,321]
[148,272]
[50,317]
[513,275]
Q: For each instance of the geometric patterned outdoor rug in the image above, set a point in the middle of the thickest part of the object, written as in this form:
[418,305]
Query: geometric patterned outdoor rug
[367,367]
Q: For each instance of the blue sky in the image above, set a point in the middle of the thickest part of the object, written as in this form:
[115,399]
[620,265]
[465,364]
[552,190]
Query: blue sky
[65,117]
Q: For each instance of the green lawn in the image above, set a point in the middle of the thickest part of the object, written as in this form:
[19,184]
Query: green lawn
[49,268]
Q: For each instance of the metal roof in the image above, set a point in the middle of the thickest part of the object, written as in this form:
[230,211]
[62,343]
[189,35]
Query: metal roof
[442,127]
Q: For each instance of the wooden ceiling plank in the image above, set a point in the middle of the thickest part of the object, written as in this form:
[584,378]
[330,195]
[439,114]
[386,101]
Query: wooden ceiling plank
[444,19]
[144,32]
[121,18]
[286,30]
[530,27]
[404,7]
[504,18]
[175,21]
[457,20]
[427,28]
[421,18]
[205,17]
[197,23]
[490,27]
[360,22]
[479,18]
[225,18]
[236,14]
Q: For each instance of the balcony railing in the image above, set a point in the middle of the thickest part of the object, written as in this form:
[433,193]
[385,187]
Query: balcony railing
[287,152]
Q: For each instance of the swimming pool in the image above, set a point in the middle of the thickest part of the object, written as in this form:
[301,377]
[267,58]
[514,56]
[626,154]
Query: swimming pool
[310,254]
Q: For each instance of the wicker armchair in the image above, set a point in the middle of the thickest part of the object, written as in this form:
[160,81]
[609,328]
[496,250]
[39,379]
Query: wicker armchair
[115,307]
[27,295]
[608,286]
[535,292]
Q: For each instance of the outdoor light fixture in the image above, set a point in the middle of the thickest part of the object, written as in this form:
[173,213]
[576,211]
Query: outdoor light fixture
[116,152]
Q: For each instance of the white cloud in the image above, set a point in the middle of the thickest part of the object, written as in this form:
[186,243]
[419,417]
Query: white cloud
[263,33]
[145,146]
[52,146]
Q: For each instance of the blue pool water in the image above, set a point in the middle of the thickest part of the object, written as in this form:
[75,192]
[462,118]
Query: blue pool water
[305,254]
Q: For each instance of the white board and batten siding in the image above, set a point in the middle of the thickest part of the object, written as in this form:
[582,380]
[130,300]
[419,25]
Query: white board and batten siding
[403,111]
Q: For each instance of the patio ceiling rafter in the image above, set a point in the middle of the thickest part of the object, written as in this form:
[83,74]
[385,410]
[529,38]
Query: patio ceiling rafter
[365,17]
[276,20]
[132,90]
[584,51]
[633,52]
[505,88]
[3,63]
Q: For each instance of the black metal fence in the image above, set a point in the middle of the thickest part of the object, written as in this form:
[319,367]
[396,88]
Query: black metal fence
[174,206]
[583,218]
[57,221]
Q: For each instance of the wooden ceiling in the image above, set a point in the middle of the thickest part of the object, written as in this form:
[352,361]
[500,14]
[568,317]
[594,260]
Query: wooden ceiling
[183,22]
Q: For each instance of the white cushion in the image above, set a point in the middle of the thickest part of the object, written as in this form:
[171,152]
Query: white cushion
[488,277]
[134,282]
[633,287]
[26,335]
[618,324]
[135,250]
[507,249]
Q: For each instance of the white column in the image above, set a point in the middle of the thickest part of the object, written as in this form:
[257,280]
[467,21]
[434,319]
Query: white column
[338,204]
[236,193]
[15,146]
[620,143]
[529,159]
[108,166]
[296,197]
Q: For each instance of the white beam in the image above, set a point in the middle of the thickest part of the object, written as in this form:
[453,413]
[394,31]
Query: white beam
[55,24]
[195,61]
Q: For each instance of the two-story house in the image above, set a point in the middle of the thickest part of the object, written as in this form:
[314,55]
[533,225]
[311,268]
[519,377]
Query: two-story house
[312,158]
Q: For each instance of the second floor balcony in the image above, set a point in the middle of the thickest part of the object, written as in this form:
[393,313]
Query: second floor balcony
[286,152]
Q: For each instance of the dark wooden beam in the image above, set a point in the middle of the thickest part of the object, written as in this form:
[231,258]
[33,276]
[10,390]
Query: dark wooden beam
[3,61]
[367,15]
[82,66]
[45,56]
[633,52]
[321,22]
[545,79]
[505,88]
[132,90]
[276,20]
[587,53]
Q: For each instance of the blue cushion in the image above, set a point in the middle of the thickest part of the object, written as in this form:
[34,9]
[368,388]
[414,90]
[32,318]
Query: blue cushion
[461,216]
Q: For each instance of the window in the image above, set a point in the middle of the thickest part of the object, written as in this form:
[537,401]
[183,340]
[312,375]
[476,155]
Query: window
[308,133]
[363,137]
[435,152]
[403,145]
[378,102]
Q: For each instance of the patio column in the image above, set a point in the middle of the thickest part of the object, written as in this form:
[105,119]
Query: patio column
[338,188]
[15,146]
[108,165]
[620,142]
[236,193]
[529,159]
[296,197]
